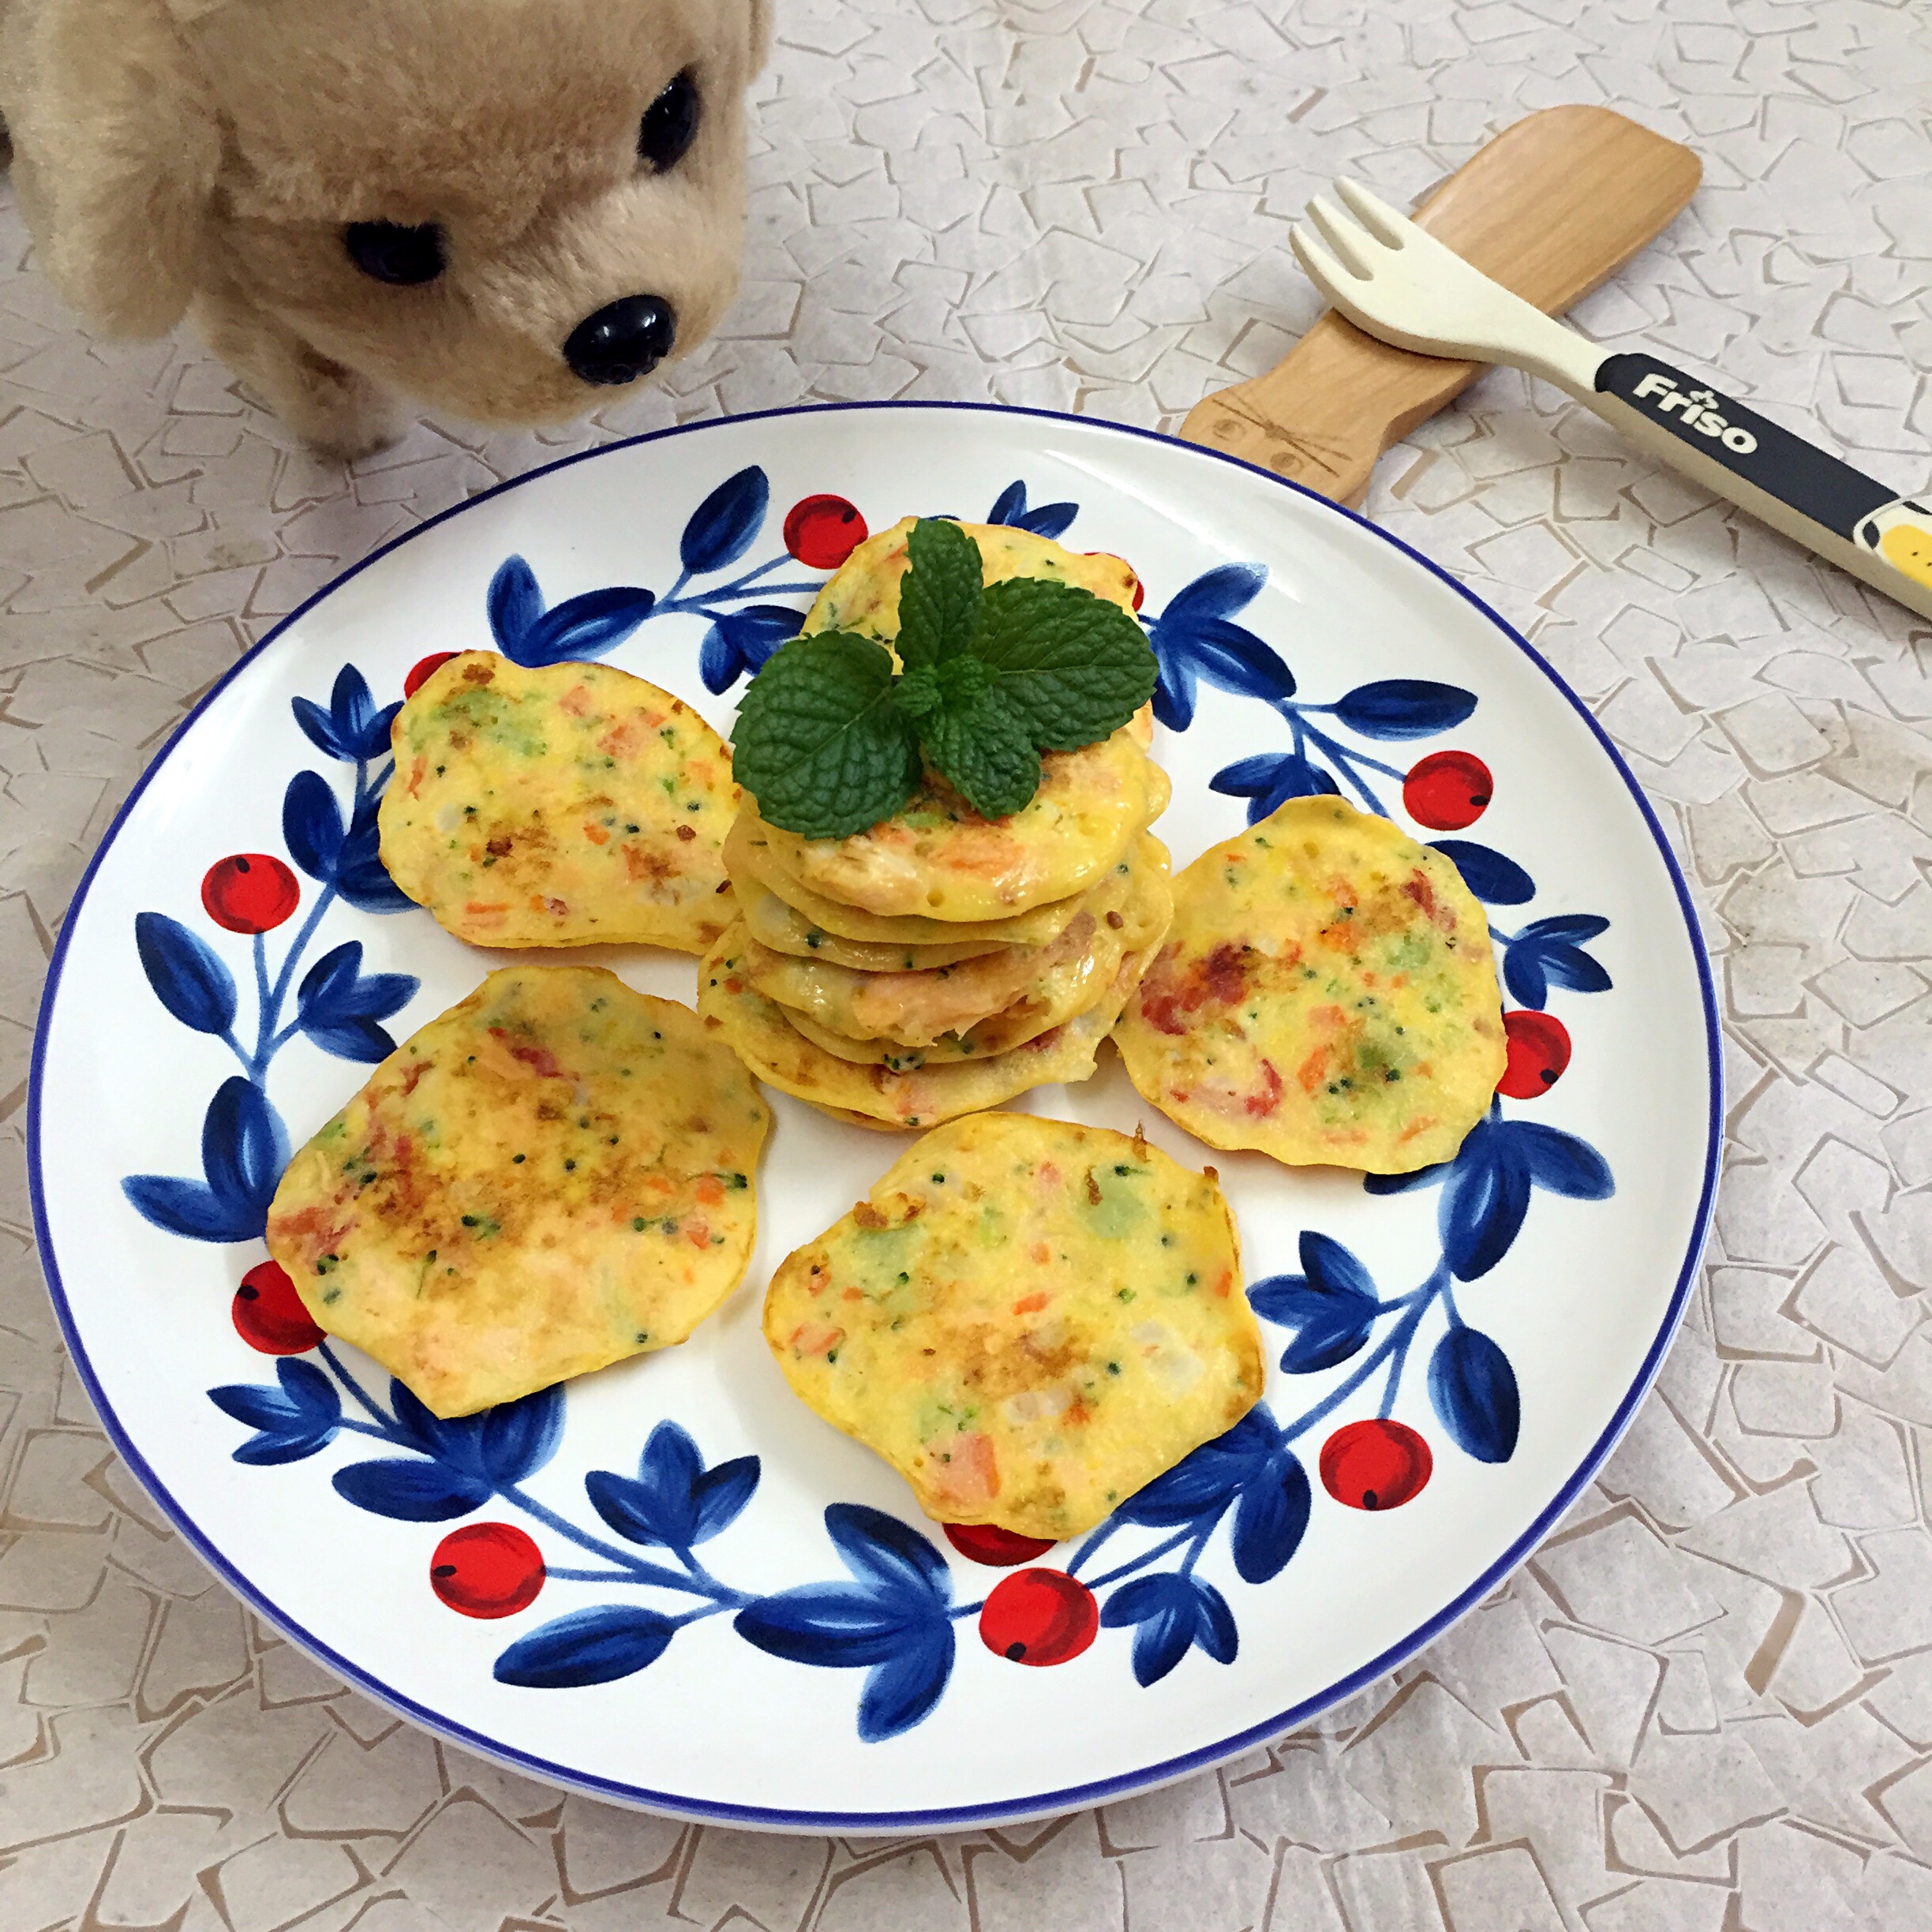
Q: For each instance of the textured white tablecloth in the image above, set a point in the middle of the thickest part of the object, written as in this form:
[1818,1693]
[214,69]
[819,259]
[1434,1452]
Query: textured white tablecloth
[1707,1703]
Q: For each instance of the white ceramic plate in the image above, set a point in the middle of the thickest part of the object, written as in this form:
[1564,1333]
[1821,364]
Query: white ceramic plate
[1405,1458]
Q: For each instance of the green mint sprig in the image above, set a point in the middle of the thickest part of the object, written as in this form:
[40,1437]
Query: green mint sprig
[829,741]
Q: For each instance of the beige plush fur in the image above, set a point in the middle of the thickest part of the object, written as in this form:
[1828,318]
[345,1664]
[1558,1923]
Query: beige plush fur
[205,158]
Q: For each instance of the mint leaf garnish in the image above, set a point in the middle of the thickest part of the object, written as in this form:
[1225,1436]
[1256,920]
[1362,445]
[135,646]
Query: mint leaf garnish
[829,742]
[985,752]
[1073,666]
[819,742]
[939,595]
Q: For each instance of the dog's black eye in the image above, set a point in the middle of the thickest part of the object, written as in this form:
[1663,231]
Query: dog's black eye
[391,252]
[670,125]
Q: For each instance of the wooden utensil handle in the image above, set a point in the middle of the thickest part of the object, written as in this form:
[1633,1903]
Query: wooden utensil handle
[1549,208]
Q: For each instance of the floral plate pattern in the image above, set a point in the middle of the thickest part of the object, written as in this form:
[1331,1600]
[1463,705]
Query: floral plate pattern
[1272,1560]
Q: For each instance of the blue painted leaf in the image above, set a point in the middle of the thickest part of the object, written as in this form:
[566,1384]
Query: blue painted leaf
[583,626]
[1172,1613]
[594,1646]
[1404,708]
[1472,1389]
[1270,1518]
[1218,592]
[1225,654]
[1577,927]
[721,529]
[1495,880]
[1288,1301]
[1324,1341]
[1523,974]
[719,666]
[1332,1305]
[454,1441]
[514,604]
[352,1039]
[1570,966]
[267,1451]
[1050,520]
[188,1209]
[1551,950]
[1213,1623]
[337,1006]
[837,1625]
[721,1494]
[659,1506]
[1331,1268]
[361,878]
[317,726]
[1162,1610]
[625,1505]
[188,978]
[1560,1161]
[1193,638]
[739,643]
[1403,1183]
[890,1556]
[1201,1484]
[1270,779]
[243,1147]
[903,1690]
[1010,504]
[491,1449]
[514,1439]
[292,1419]
[311,825]
[409,1491]
[359,730]
[1483,1202]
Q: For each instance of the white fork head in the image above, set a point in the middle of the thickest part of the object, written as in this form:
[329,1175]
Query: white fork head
[1400,284]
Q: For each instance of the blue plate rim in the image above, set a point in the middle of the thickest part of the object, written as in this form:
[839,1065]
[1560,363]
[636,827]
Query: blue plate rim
[951,1818]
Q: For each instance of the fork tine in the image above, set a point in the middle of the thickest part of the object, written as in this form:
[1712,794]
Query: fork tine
[1321,268]
[1350,242]
[1382,221]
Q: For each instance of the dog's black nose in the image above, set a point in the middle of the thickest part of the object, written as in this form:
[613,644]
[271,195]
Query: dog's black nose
[622,340]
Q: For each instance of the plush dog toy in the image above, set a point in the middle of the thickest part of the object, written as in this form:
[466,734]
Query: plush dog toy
[500,207]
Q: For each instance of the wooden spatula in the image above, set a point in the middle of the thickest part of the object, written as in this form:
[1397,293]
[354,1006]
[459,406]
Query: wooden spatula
[1549,208]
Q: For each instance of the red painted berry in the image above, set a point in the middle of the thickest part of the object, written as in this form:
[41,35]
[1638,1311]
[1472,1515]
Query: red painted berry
[250,893]
[423,670]
[1039,1616]
[268,1313]
[1448,790]
[1539,1050]
[1000,1549]
[1376,1465]
[823,531]
[487,1569]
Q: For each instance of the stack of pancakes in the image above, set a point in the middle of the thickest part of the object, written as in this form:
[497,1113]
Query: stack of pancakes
[940,963]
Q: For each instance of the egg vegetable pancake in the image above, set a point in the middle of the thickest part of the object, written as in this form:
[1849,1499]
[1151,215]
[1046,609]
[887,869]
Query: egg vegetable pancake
[912,1007]
[1328,994]
[784,929]
[863,595]
[556,1173]
[902,1021]
[758,1030]
[559,806]
[1030,1320]
[752,865]
[938,859]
